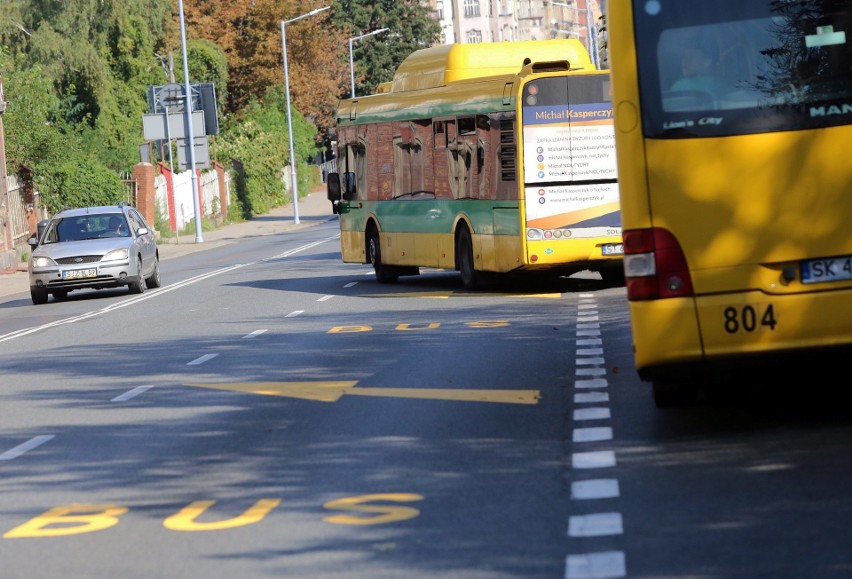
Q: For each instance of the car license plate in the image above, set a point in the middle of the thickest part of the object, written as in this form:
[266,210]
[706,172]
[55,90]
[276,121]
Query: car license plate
[613,249]
[829,269]
[79,273]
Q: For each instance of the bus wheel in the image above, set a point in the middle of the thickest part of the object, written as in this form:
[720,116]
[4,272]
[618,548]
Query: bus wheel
[471,279]
[668,394]
[612,275]
[374,247]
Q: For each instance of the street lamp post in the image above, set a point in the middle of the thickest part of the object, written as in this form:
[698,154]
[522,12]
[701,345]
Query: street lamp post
[190,136]
[295,184]
[351,63]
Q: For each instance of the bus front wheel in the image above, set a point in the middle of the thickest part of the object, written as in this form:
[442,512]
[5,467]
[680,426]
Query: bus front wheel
[374,248]
[471,279]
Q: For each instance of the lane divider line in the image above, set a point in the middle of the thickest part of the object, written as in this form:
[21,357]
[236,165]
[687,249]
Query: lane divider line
[592,404]
[27,446]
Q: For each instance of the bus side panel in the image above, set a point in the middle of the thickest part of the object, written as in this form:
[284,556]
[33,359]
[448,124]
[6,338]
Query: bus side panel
[664,331]
[508,244]
[352,247]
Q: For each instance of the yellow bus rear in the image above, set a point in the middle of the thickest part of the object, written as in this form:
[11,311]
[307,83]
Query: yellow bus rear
[736,191]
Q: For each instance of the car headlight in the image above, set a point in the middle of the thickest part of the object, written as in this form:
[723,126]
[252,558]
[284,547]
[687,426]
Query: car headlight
[42,261]
[116,255]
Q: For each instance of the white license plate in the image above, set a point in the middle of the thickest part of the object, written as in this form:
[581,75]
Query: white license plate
[613,249]
[79,273]
[829,269]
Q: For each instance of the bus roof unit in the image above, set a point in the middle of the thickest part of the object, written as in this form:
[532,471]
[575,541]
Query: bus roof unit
[447,63]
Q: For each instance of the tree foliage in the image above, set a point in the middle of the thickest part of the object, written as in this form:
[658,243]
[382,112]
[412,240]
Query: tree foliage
[376,58]
[250,34]
[76,75]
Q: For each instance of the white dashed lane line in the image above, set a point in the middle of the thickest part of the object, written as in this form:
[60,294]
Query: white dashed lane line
[202,359]
[132,393]
[27,446]
[254,334]
[592,405]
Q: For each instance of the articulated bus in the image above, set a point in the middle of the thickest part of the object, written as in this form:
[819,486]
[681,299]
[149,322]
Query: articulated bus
[492,158]
[736,186]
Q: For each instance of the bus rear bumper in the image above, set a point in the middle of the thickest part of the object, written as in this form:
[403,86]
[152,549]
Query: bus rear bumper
[738,332]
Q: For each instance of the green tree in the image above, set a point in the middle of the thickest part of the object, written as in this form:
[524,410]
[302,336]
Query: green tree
[255,144]
[411,27]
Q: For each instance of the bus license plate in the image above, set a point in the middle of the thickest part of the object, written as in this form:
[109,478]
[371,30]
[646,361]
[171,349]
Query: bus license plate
[79,273]
[831,269]
[613,249]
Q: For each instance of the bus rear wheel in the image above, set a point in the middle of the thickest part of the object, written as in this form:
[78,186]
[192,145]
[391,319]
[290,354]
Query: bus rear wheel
[670,394]
[384,274]
[471,279]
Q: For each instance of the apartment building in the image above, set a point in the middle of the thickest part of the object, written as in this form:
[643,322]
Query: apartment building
[472,21]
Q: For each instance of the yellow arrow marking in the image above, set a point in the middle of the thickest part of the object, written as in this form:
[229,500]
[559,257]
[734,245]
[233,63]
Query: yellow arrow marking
[332,391]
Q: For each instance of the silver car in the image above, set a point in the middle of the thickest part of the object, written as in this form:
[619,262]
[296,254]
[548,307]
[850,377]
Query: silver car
[94,248]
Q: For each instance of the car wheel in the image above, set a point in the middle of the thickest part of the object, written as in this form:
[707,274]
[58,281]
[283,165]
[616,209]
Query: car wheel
[138,285]
[153,280]
[39,295]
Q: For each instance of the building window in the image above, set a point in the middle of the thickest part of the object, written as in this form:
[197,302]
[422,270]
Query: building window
[471,8]
[473,36]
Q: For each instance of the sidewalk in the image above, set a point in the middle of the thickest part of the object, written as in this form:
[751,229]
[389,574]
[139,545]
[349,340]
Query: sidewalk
[314,208]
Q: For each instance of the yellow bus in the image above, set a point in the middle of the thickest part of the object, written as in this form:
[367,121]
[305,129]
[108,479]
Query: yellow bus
[733,130]
[491,158]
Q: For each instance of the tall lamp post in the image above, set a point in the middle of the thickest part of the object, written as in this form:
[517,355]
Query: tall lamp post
[190,136]
[295,184]
[351,63]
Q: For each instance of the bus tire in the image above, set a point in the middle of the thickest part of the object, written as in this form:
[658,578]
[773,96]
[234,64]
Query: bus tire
[471,279]
[384,274]
[669,394]
[612,275]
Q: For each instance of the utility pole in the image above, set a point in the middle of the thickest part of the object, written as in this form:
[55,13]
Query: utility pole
[5,225]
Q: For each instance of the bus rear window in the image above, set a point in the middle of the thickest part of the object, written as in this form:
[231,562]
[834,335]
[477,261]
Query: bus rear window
[787,66]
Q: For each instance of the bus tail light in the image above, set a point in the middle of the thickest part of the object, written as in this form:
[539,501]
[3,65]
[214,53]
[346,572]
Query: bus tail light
[654,265]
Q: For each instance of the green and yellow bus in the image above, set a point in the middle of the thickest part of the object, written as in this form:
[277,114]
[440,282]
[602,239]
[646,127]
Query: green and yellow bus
[736,185]
[492,158]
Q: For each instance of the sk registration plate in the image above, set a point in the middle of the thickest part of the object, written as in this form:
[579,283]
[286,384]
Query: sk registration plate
[829,269]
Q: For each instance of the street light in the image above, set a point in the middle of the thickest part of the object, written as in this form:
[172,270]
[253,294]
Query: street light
[295,185]
[190,136]
[351,63]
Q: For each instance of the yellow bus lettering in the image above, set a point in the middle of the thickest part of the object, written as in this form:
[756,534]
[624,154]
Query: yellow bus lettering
[381,513]
[185,519]
[69,520]
[492,324]
[410,328]
[349,329]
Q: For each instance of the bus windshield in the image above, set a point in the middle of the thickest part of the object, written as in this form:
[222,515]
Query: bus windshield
[729,68]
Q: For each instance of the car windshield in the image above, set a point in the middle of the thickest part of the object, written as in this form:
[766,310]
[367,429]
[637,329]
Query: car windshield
[89,226]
